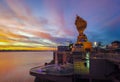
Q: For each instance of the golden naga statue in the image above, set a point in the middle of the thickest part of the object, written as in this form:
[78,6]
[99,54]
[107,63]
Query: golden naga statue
[81,25]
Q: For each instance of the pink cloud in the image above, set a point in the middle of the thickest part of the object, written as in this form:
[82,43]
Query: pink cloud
[21,18]
[57,17]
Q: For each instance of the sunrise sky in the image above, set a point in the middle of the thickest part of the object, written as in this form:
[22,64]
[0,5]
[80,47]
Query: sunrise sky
[35,23]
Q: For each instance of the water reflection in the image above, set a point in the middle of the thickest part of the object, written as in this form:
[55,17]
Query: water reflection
[82,63]
[87,61]
[15,66]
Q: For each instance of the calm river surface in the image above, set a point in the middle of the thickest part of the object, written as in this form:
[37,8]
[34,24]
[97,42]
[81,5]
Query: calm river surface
[15,66]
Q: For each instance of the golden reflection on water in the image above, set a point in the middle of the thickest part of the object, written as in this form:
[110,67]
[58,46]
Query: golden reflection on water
[15,66]
[82,66]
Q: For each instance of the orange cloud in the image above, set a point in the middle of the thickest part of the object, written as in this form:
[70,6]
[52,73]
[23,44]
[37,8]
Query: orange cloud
[20,25]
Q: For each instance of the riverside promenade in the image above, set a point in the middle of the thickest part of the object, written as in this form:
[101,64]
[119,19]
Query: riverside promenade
[113,57]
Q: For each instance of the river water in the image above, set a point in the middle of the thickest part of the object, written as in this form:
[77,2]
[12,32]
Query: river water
[15,66]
